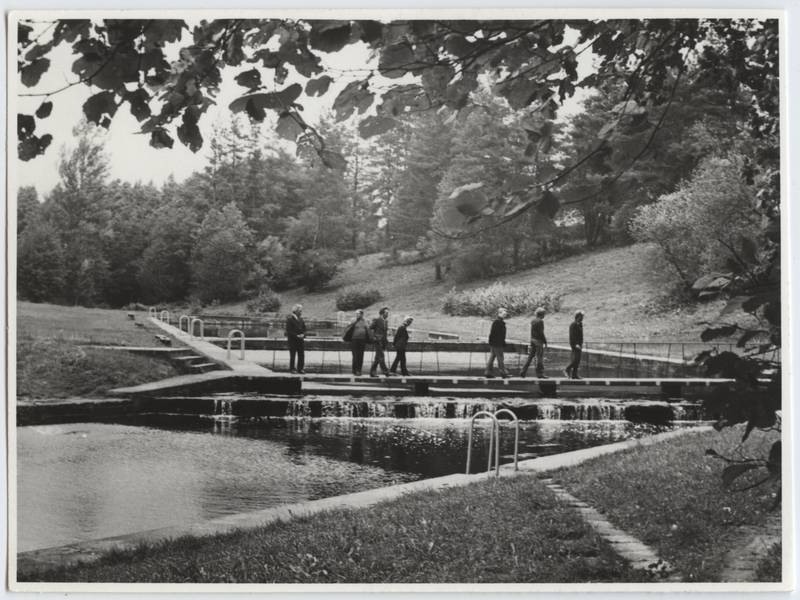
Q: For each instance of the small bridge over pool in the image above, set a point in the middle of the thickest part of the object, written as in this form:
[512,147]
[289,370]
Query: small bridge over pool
[441,367]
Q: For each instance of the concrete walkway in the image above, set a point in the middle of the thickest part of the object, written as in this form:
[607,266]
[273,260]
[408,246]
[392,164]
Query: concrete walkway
[213,352]
[628,547]
[94,549]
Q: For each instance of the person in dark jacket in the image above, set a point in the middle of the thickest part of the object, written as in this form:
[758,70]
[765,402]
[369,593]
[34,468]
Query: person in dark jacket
[358,334]
[400,342]
[576,343]
[537,345]
[295,335]
[497,343]
[380,330]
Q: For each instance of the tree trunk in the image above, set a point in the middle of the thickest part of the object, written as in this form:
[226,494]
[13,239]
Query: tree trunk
[354,237]
[592,227]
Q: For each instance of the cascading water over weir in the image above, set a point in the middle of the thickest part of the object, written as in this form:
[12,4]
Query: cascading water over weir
[230,406]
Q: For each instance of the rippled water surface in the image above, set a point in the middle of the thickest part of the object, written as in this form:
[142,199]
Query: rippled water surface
[85,481]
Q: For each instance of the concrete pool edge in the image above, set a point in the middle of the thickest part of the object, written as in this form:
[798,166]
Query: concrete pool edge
[92,550]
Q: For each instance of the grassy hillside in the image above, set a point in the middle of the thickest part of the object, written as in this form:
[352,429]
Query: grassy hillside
[54,359]
[625,297]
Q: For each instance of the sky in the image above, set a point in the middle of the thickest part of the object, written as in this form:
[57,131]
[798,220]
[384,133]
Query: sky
[131,156]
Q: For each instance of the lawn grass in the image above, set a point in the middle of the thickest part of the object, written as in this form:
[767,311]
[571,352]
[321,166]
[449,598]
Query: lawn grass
[54,362]
[54,369]
[671,497]
[79,325]
[509,530]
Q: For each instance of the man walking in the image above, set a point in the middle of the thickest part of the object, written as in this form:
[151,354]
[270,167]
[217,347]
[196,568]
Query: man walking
[400,341]
[537,345]
[357,334]
[497,343]
[296,334]
[576,343]
[379,328]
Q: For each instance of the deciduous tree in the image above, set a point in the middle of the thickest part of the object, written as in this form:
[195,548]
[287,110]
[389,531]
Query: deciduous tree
[222,255]
[40,264]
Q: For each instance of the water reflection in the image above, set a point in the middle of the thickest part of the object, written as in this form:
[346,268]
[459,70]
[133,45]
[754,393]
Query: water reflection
[85,481]
[426,447]
[114,479]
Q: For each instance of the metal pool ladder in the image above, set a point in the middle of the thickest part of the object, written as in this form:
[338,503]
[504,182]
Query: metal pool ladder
[494,445]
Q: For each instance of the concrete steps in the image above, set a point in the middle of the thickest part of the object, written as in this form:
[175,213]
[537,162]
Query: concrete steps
[193,363]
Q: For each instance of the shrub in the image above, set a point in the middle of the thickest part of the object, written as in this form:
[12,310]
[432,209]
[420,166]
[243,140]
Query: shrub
[703,224]
[484,302]
[266,301]
[353,298]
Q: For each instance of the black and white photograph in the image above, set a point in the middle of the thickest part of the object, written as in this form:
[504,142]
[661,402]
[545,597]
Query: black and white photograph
[386,300]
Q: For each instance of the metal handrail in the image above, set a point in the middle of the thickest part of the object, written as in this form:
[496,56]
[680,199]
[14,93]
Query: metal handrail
[152,312]
[180,322]
[191,327]
[163,314]
[495,426]
[231,335]
[515,420]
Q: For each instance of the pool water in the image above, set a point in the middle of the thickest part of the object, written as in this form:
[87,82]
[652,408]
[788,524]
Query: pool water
[85,481]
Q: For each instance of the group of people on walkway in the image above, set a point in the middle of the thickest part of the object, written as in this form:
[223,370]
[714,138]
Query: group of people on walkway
[538,343]
[359,334]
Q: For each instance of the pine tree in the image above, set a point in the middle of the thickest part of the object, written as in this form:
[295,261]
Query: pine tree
[427,158]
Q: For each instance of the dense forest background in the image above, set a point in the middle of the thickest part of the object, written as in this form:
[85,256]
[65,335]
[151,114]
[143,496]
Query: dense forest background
[263,215]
